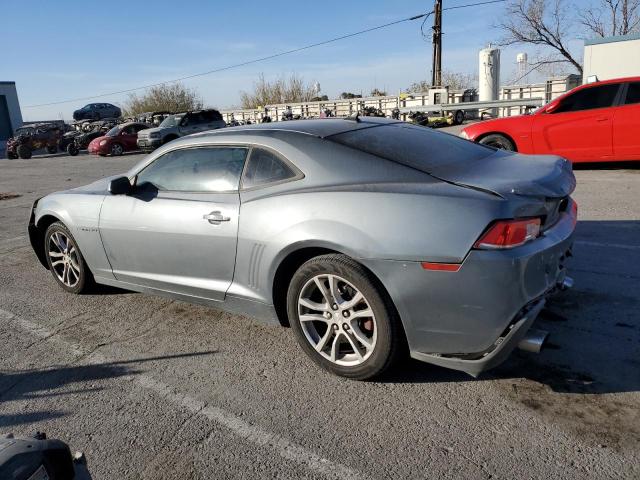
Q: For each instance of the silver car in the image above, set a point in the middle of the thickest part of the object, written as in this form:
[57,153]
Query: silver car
[369,237]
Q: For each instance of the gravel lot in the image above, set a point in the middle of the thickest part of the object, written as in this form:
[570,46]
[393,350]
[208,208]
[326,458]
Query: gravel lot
[156,389]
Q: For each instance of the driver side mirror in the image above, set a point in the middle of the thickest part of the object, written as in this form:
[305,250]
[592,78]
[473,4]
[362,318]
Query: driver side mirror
[552,107]
[120,186]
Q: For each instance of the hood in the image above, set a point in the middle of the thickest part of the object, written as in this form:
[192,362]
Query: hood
[148,131]
[485,126]
[506,173]
[98,139]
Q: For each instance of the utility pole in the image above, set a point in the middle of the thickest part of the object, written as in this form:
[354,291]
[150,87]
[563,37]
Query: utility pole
[436,78]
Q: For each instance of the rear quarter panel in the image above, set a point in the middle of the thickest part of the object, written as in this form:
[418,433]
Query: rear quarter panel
[436,222]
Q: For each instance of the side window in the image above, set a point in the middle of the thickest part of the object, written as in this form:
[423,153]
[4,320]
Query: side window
[138,126]
[633,93]
[209,116]
[265,167]
[214,169]
[589,98]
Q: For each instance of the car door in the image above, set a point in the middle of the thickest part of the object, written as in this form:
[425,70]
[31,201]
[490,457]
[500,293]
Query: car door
[626,124]
[580,127]
[178,230]
[128,137]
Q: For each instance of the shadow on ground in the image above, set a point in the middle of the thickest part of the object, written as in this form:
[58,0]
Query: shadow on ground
[66,380]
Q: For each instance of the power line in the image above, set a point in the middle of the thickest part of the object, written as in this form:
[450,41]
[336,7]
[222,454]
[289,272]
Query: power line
[262,59]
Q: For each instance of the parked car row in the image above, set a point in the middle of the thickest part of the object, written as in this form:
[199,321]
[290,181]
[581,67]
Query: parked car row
[111,135]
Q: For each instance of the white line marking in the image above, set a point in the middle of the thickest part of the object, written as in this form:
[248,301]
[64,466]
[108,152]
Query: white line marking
[607,245]
[251,433]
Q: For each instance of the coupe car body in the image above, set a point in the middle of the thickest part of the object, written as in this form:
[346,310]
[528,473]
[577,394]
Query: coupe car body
[595,122]
[458,243]
[120,139]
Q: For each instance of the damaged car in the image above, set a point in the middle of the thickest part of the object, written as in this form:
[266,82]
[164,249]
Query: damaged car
[369,237]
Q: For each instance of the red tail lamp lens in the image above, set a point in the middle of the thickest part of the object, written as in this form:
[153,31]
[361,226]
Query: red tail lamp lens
[442,267]
[509,234]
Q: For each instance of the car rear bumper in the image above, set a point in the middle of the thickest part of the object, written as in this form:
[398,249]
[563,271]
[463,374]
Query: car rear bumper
[472,319]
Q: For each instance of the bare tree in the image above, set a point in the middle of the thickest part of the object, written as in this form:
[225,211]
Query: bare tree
[612,17]
[543,23]
[281,90]
[378,93]
[173,97]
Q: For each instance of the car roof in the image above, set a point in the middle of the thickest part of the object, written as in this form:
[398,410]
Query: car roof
[319,127]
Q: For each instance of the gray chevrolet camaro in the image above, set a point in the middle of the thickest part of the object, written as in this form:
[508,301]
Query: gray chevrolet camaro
[369,237]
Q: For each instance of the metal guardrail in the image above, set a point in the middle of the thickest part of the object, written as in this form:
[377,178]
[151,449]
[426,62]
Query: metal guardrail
[444,107]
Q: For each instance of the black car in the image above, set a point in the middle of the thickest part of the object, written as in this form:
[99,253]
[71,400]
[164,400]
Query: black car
[97,111]
[89,132]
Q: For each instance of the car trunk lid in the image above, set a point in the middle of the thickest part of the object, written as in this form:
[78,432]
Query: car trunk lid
[507,173]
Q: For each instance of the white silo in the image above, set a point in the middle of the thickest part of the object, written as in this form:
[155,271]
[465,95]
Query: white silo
[523,65]
[489,75]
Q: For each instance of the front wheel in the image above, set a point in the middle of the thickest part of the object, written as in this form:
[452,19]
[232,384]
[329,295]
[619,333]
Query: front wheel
[498,141]
[116,150]
[24,152]
[341,317]
[72,149]
[65,261]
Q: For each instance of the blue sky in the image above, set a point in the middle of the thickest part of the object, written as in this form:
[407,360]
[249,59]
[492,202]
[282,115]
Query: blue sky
[67,49]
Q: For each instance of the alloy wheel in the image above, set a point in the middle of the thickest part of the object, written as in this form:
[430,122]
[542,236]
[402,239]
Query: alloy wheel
[116,149]
[64,259]
[337,320]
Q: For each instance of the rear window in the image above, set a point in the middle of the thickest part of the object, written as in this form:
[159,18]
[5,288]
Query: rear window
[413,146]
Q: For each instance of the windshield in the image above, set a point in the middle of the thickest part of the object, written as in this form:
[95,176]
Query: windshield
[113,132]
[171,121]
[413,146]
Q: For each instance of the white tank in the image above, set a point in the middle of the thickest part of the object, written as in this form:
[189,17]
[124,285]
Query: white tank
[489,75]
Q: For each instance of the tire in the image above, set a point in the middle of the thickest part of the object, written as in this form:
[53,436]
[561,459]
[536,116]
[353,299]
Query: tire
[72,149]
[51,149]
[24,152]
[72,275]
[458,117]
[496,140]
[336,331]
[116,150]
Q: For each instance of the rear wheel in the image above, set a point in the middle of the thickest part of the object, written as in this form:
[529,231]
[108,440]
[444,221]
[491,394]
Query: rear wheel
[341,317]
[65,261]
[24,152]
[498,141]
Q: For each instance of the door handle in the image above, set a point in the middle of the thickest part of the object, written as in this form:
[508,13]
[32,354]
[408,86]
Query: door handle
[602,119]
[216,217]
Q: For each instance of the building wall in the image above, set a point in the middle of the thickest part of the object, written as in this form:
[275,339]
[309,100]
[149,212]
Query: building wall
[612,57]
[9,95]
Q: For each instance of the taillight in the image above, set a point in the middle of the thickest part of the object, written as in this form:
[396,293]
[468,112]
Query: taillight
[509,234]
[574,212]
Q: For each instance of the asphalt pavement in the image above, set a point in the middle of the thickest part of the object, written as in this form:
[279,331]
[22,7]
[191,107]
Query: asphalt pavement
[150,388]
